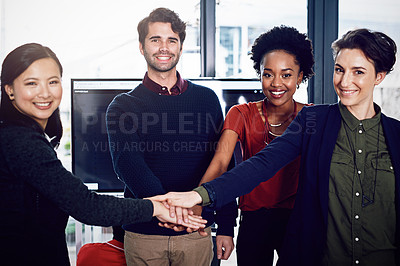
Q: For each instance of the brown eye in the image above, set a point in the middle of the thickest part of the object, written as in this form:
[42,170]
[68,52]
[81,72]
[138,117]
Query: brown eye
[267,75]
[338,70]
[287,75]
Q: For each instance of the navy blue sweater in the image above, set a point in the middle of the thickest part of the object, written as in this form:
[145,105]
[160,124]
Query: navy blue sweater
[165,143]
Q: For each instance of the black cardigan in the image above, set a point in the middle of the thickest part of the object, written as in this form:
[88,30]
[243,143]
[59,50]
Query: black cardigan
[37,194]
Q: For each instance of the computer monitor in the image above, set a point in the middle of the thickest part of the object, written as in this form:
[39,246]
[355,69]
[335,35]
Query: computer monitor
[91,159]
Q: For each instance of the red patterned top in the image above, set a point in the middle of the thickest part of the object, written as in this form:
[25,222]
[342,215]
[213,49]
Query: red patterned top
[279,191]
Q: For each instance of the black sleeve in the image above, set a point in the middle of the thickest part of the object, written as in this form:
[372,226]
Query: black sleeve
[30,157]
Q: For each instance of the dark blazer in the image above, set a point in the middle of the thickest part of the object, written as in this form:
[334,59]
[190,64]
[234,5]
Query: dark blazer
[312,135]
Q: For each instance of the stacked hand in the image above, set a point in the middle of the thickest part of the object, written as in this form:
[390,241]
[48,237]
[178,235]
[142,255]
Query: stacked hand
[180,209]
[181,206]
[179,203]
[190,220]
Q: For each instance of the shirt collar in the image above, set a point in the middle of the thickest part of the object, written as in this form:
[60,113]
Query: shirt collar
[179,87]
[352,122]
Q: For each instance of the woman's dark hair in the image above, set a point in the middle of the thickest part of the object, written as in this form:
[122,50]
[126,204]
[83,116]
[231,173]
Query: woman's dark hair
[15,63]
[162,15]
[288,39]
[376,46]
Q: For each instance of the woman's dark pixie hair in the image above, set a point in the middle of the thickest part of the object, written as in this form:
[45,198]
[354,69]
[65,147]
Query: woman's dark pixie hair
[288,39]
[376,46]
[162,15]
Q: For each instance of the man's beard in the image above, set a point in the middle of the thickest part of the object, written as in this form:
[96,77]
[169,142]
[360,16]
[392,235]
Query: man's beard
[165,68]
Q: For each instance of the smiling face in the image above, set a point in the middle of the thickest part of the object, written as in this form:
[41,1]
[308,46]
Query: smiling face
[162,48]
[280,76]
[354,80]
[37,91]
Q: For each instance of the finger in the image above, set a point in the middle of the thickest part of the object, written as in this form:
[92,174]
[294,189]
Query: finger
[195,223]
[166,205]
[185,215]
[179,217]
[170,202]
[166,225]
[172,226]
[219,251]
[202,232]
[172,211]
[161,224]
[179,228]
[227,253]
[196,219]
[193,226]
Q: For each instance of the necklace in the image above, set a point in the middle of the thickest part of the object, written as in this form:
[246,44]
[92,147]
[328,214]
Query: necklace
[279,124]
[365,199]
[273,134]
[268,125]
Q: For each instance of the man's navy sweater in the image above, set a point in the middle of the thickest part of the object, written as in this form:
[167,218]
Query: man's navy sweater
[165,143]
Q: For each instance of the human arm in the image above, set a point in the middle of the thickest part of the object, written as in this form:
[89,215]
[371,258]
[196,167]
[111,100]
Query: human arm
[234,130]
[193,222]
[246,176]
[226,216]
[30,160]
[222,157]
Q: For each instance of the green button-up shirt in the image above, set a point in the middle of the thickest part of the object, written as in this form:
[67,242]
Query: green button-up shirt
[361,232]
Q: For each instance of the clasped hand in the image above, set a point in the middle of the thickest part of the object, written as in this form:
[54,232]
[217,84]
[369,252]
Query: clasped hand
[177,218]
[182,207]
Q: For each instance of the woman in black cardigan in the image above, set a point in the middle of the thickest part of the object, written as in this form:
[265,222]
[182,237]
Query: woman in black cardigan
[37,194]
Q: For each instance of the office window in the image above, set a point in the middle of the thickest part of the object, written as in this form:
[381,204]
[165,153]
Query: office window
[235,34]
[379,16]
[94,38]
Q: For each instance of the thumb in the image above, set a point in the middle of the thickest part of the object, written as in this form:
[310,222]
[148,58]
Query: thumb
[202,232]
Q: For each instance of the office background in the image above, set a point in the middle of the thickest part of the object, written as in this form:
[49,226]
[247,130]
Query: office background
[98,39]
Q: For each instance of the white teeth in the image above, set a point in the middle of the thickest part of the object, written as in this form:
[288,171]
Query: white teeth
[43,104]
[277,92]
[163,57]
[348,92]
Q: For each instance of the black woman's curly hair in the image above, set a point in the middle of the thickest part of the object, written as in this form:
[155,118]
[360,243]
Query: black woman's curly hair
[288,39]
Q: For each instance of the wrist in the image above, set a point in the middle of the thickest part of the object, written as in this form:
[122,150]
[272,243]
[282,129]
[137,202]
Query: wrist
[156,208]
[197,197]
[203,197]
